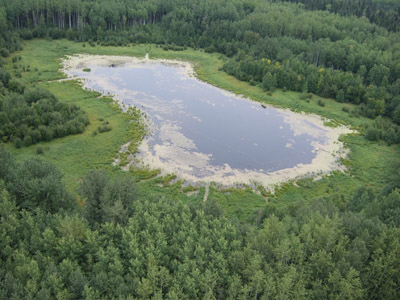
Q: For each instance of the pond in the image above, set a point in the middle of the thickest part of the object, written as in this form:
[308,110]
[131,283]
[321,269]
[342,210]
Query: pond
[203,133]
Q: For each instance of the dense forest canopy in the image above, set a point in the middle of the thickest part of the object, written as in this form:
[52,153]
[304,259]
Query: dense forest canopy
[31,115]
[127,247]
[37,116]
[385,13]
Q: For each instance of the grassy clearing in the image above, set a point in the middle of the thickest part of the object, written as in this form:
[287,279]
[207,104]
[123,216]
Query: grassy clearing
[369,163]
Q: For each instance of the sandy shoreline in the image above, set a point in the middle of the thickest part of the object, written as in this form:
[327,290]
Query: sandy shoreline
[83,60]
[327,159]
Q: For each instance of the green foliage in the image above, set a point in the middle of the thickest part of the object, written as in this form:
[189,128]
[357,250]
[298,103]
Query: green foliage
[39,150]
[173,47]
[4,52]
[321,102]
[396,115]
[340,96]
[105,200]
[104,128]
[268,82]
[7,164]
[384,130]
[38,184]
[165,249]
[34,184]
[4,77]
[381,12]
[372,134]
[17,142]
[36,116]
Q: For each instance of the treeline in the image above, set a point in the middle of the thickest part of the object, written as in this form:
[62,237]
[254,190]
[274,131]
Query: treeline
[385,13]
[121,14]
[77,14]
[122,245]
[31,115]
[384,130]
[9,38]
[372,91]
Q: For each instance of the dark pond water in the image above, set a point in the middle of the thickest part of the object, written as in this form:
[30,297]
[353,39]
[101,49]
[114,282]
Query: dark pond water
[198,128]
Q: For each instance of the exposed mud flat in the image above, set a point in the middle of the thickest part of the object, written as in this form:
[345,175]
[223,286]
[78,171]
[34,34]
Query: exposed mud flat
[175,105]
[81,61]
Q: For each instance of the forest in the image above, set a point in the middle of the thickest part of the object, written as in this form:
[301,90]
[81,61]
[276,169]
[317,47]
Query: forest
[109,237]
[120,245]
[36,116]
[384,13]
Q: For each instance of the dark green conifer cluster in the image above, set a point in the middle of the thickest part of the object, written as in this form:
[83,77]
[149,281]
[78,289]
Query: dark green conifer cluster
[120,245]
[33,115]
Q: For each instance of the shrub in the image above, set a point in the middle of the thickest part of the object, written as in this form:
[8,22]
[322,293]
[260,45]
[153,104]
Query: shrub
[27,141]
[104,128]
[372,134]
[210,49]
[26,34]
[56,33]
[340,96]
[4,52]
[18,143]
[39,184]
[390,136]
[39,150]
[396,115]
[16,86]
[321,103]
[355,112]
[4,77]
